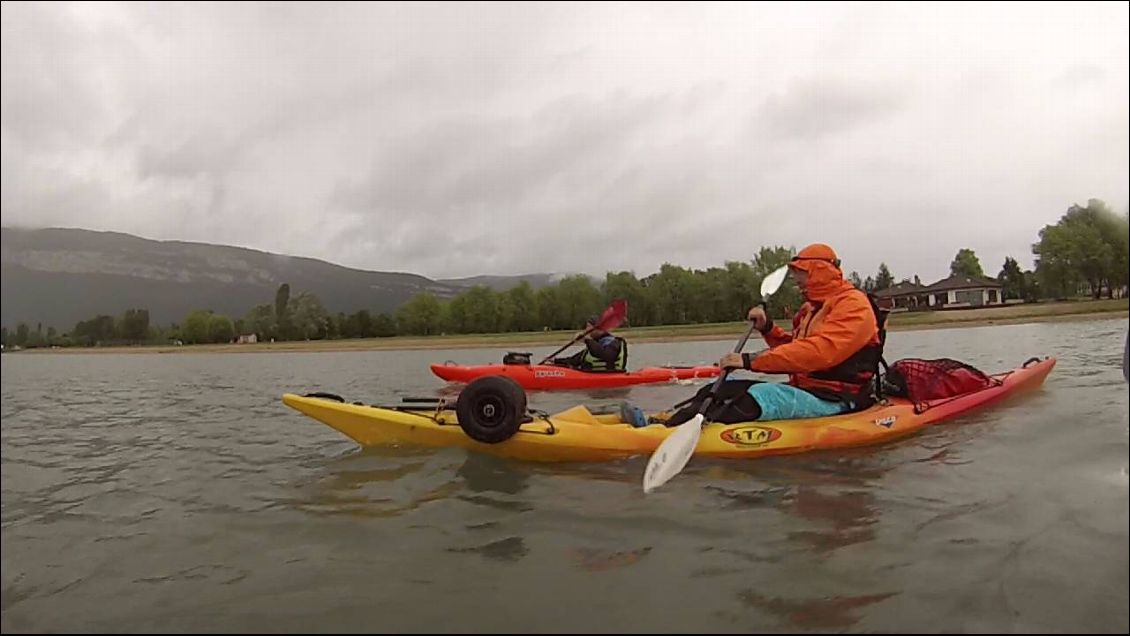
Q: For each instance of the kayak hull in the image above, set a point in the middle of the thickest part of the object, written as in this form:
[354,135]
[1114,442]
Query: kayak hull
[578,435]
[548,378]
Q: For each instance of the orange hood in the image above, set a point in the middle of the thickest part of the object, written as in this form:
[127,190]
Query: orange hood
[825,279]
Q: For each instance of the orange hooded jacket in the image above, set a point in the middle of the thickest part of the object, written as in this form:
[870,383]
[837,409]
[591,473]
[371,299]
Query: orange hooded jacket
[835,344]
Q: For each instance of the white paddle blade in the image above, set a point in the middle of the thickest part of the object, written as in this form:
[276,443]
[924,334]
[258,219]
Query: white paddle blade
[771,283]
[672,454]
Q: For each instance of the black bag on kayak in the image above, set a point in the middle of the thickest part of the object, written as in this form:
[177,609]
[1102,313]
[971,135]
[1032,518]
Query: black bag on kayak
[514,357]
[921,380]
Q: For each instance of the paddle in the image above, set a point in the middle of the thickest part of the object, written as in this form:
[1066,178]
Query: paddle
[610,319]
[675,451]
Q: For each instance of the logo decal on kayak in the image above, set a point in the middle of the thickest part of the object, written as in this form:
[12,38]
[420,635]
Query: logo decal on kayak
[750,435]
[549,374]
[886,422]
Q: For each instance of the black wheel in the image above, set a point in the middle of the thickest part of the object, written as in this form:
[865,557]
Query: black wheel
[490,409]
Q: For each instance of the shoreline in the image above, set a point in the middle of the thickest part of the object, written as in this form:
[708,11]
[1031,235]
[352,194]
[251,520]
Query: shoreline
[1019,314]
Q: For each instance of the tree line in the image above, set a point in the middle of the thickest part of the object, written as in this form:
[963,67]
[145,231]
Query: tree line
[1085,253]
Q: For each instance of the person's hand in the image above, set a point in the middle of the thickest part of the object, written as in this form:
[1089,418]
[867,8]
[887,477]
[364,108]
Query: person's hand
[758,317]
[582,335]
[731,361]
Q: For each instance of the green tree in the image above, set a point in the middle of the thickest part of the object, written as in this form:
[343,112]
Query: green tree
[363,324]
[22,331]
[342,325]
[549,311]
[384,326]
[134,325]
[35,338]
[455,315]
[966,263]
[1088,245]
[282,312]
[420,316]
[196,327]
[261,321]
[1056,253]
[480,310]
[282,300]
[505,313]
[333,325]
[524,307]
[96,331]
[708,296]
[1012,280]
[1032,291]
[308,317]
[854,279]
[883,279]
[220,329]
[673,290]
[578,299]
[349,328]
[788,298]
[741,291]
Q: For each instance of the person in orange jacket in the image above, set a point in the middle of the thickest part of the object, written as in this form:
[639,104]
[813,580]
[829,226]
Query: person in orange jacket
[831,355]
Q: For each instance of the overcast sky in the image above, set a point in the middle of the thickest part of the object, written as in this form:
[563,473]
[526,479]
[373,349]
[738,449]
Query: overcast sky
[459,139]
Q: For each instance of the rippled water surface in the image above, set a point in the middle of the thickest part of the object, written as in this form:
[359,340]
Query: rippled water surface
[175,492]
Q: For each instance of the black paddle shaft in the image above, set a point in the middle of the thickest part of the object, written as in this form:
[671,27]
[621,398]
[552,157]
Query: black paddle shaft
[725,372]
[571,343]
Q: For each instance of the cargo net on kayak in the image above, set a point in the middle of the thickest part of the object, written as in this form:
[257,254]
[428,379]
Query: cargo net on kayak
[924,382]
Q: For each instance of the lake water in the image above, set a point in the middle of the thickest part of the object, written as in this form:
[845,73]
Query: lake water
[159,493]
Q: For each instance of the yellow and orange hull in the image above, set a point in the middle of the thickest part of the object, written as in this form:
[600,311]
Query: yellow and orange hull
[578,435]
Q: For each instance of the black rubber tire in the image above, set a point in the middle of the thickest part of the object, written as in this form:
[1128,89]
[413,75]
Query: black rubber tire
[491,409]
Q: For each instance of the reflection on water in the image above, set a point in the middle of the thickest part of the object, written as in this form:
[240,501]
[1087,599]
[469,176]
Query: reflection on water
[597,560]
[486,473]
[837,612]
[508,549]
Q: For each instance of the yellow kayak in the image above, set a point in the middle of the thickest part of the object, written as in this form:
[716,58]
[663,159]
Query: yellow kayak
[578,435]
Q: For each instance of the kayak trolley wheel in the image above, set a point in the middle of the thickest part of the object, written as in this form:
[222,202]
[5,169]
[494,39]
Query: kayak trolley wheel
[490,409]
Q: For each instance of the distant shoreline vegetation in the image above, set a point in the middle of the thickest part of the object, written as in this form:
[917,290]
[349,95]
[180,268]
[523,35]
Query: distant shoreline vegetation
[1051,311]
[1083,255]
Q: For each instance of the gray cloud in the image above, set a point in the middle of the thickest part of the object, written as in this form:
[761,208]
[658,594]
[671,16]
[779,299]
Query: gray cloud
[460,139]
[812,109]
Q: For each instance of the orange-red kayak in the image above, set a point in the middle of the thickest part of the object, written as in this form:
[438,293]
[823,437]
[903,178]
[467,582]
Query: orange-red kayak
[534,377]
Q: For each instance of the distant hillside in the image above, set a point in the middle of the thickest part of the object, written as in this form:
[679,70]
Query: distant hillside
[61,276]
[503,283]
